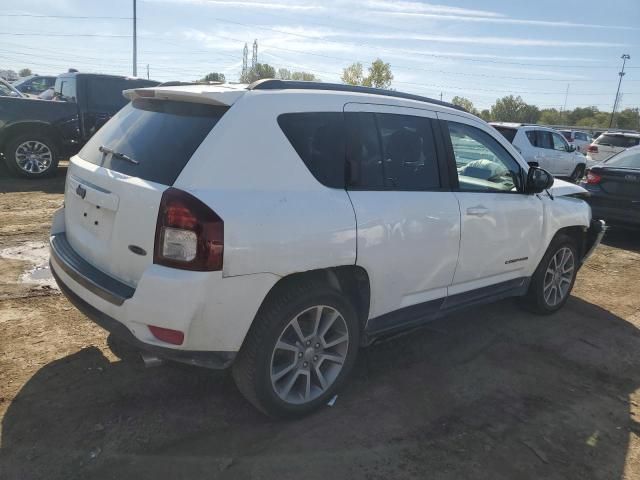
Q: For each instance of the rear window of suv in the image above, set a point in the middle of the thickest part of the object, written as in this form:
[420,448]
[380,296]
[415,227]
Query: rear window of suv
[617,140]
[508,133]
[160,135]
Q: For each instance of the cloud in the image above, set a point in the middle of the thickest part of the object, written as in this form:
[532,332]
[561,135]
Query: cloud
[496,19]
[248,4]
[427,8]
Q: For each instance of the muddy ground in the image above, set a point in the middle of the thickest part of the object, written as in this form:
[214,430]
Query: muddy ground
[491,393]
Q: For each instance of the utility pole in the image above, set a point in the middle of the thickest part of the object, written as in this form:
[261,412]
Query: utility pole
[135,44]
[564,107]
[440,96]
[245,59]
[624,58]
[254,57]
[147,71]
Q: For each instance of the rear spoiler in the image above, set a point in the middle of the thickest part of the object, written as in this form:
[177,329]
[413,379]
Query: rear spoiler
[222,98]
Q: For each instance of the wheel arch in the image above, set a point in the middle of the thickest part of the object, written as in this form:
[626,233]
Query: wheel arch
[21,128]
[352,280]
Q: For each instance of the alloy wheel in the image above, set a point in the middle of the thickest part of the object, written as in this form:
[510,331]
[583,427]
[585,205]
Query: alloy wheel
[558,277]
[309,354]
[33,156]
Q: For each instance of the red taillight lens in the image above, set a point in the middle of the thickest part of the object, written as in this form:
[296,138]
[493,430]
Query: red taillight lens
[592,149]
[175,337]
[593,178]
[189,235]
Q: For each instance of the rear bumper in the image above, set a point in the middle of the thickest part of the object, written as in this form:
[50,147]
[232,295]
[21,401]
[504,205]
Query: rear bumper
[214,360]
[213,311]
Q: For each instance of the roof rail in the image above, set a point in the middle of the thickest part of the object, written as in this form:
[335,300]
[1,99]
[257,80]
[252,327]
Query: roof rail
[274,84]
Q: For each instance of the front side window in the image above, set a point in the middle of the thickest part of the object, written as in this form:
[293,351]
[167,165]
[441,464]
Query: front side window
[559,143]
[391,152]
[483,165]
[319,140]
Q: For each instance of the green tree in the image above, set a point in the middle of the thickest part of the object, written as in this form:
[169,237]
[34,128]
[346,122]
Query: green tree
[514,109]
[550,116]
[25,72]
[306,76]
[260,71]
[486,115]
[284,74]
[213,77]
[629,118]
[352,75]
[380,75]
[465,103]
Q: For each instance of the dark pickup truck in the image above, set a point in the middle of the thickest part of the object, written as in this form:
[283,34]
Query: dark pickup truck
[35,134]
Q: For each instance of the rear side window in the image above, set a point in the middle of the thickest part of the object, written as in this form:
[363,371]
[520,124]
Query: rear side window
[319,140]
[508,133]
[160,135]
[531,135]
[65,88]
[617,141]
[544,139]
[391,152]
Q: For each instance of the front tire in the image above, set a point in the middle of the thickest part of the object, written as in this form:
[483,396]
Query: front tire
[31,155]
[300,349]
[553,280]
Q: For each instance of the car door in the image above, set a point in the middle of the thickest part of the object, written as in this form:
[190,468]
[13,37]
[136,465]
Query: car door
[501,225]
[408,220]
[564,159]
[542,148]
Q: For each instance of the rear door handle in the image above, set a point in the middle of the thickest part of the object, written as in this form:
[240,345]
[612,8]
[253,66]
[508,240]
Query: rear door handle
[478,211]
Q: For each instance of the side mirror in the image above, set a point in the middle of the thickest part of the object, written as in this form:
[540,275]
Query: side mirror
[571,148]
[533,164]
[538,180]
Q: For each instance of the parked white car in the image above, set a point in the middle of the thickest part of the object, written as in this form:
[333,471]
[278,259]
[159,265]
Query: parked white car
[546,148]
[278,227]
[610,143]
[580,140]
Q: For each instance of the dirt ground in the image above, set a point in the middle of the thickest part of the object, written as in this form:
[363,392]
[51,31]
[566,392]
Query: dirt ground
[491,393]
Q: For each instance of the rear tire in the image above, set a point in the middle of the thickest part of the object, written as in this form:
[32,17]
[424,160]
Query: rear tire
[31,155]
[553,280]
[287,371]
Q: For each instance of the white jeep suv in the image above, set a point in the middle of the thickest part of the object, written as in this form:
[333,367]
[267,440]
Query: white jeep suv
[546,148]
[278,227]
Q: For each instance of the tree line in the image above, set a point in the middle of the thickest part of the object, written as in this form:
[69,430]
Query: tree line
[515,109]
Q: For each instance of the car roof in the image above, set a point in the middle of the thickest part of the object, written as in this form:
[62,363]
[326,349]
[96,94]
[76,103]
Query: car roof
[622,134]
[229,93]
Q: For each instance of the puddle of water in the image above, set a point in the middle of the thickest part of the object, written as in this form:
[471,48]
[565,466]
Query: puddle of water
[37,255]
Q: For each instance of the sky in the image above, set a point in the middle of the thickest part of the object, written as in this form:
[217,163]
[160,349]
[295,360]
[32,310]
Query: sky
[481,50]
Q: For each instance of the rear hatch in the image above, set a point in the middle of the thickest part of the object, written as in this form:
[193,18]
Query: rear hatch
[610,144]
[621,186]
[115,184]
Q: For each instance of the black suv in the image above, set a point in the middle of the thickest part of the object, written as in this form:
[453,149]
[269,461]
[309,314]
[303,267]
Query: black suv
[35,134]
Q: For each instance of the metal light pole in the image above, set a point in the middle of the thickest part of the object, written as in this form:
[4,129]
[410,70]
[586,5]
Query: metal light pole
[135,45]
[624,57]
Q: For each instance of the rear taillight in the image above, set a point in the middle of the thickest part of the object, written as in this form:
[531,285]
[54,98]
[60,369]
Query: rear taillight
[593,178]
[592,149]
[189,235]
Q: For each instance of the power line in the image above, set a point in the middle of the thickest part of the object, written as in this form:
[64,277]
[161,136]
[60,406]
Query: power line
[45,34]
[75,17]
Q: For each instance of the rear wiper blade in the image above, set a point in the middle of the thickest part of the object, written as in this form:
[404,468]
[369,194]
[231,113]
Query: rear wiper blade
[118,155]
